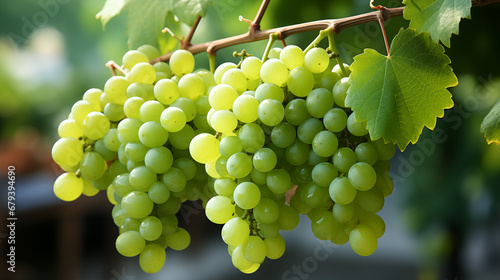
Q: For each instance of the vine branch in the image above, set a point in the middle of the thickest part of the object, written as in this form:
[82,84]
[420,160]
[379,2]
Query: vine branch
[256,34]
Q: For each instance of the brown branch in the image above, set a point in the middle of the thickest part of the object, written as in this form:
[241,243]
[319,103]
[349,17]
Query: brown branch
[337,25]
[187,42]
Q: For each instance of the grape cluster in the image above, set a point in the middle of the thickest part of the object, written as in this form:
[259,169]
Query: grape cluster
[131,139]
[259,143]
[283,131]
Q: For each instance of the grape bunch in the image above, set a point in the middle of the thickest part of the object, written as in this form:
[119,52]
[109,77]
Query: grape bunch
[283,131]
[259,143]
[132,140]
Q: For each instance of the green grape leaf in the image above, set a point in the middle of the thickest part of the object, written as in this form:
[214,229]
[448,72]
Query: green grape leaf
[111,9]
[146,20]
[491,125]
[400,94]
[438,17]
[188,10]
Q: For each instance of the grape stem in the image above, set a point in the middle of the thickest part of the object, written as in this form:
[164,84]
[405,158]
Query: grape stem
[272,39]
[331,46]
[256,34]
[381,22]
[114,66]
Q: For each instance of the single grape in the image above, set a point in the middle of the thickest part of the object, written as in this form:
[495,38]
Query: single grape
[204,148]
[335,120]
[152,258]
[130,243]
[292,56]
[362,176]
[235,78]
[181,62]
[274,71]
[318,102]
[68,186]
[245,108]
[316,60]
[235,232]
[166,91]
[219,209]
[137,204]
[269,91]
[191,86]
[246,195]
[251,67]
[342,191]
[133,57]
[340,91]
[271,112]
[222,97]
[363,240]
[300,81]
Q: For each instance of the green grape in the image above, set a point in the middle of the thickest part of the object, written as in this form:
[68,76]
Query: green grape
[151,111]
[81,109]
[152,134]
[207,77]
[121,185]
[246,195]
[296,112]
[279,181]
[222,97]
[92,166]
[313,195]
[202,105]
[131,224]
[252,85]
[356,128]
[204,148]
[150,51]
[324,226]
[251,67]
[362,240]
[329,79]
[191,86]
[110,140]
[297,153]
[318,102]
[116,168]
[374,221]
[340,238]
[230,145]
[221,167]
[343,159]
[158,159]
[116,89]
[151,228]
[132,107]
[95,125]
[221,69]
[137,204]
[235,232]
[314,159]
[131,165]
[141,178]
[173,119]
[181,62]
[267,211]
[335,120]
[297,203]
[182,138]
[251,137]
[269,91]
[238,259]
[187,166]
[239,165]
[70,128]
[340,91]
[288,219]
[275,53]
[258,177]
[103,100]
[316,60]
[223,121]
[269,230]
[325,143]
[166,91]
[67,152]
[142,90]
[275,247]
[274,71]
[142,72]
[68,186]
[283,135]
[342,191]
[89,189]
[245,108]
[308,129]
[133,57]
[130,244]
[324,173]
[384,184]
[366,152]
[187,106]
[362,176]
[343,213]
[170,207]
[338,70]
[152,258]
[300,81]
[235,78]
[170,223]
[371,201]
[292,56]
[385,151]
[254,249]
[163,67]
[271,112]
[174,179]
[302,174]
[136,151]
[225,186]
[264,160]
[219,209]
[93,96]
[119,215]
[179,240]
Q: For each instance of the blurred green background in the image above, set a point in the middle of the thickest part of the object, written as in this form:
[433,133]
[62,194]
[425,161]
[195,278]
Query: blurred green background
[442,221]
